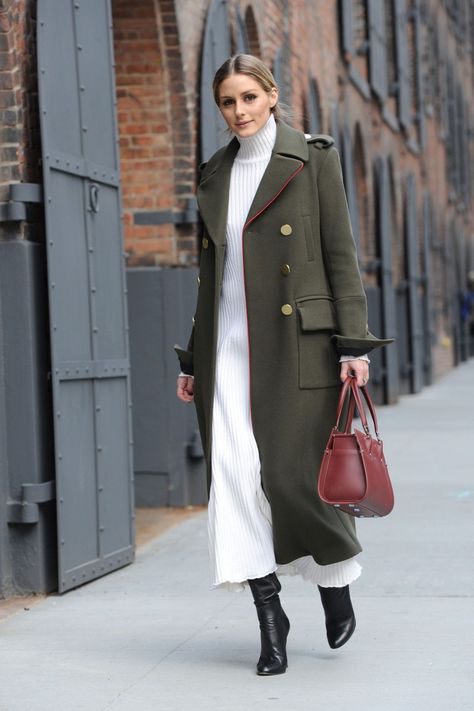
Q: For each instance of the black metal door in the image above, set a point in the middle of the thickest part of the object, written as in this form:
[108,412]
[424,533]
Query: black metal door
[389,314]
[414,287]
[428,317]
[89,344]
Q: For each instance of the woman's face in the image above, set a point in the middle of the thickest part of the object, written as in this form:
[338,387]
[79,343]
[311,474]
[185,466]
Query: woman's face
[244,104]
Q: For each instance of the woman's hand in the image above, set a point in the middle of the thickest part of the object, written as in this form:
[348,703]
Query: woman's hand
[185,388]
[359,368]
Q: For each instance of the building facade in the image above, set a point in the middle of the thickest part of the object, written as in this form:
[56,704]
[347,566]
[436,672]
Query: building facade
[391,81]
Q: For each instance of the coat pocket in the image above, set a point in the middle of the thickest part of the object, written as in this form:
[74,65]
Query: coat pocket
[318,364]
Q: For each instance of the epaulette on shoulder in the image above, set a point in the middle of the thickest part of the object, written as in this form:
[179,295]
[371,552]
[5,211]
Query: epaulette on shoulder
[321,140]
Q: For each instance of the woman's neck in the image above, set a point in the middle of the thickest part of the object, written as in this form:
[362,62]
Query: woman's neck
[259,145]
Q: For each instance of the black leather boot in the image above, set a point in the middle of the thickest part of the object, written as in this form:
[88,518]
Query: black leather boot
[274,625]
[340,618]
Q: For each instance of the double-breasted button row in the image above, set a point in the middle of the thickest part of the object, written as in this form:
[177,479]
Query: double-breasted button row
[286,230]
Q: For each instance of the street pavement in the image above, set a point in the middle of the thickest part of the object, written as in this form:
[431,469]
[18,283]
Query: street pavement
[154,636]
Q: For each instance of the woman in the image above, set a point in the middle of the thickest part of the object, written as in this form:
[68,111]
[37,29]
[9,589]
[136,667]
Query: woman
[280,298]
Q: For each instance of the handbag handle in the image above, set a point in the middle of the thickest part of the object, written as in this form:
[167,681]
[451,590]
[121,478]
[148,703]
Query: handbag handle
[358,400]
[350,415]
[346,387]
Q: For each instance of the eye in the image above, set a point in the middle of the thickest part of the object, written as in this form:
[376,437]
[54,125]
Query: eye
[227,102]
[250,97]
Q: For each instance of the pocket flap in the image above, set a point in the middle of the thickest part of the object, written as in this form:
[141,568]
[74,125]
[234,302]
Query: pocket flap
[316,314]
[184,356]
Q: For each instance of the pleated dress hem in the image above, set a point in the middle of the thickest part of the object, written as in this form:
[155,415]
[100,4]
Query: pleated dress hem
[339,574]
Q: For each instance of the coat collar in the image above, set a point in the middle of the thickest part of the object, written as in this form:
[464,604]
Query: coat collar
[289,154]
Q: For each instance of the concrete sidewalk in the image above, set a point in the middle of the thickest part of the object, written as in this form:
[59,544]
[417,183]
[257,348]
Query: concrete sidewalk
[153,636]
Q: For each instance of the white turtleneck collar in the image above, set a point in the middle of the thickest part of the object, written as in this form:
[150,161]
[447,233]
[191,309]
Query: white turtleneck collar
[259,145]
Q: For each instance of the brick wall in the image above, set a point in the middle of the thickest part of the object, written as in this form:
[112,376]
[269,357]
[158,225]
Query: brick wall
[157,132]
[143,106]
[19,122]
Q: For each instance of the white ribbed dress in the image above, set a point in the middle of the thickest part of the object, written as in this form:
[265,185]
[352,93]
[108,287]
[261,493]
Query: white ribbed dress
[239,515]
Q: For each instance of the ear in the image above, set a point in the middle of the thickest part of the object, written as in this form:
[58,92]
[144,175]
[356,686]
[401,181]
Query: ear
[273,96]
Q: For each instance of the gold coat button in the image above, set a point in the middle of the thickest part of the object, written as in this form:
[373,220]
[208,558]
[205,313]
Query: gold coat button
[287,309]
[285,269]
[198,281]
[286,230]
[205,242]
[193,320]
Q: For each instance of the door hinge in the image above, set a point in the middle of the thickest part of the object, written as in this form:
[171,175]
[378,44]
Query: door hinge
[27,510]
[22,201]
[194,446]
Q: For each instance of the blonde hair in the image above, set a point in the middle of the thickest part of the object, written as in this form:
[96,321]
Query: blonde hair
[252,67]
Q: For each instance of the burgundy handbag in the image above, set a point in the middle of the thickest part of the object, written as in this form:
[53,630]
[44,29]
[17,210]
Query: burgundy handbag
[353,475]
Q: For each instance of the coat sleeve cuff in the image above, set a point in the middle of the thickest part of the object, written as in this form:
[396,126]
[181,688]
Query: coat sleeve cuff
[345,358]
[347,345]
[185,359]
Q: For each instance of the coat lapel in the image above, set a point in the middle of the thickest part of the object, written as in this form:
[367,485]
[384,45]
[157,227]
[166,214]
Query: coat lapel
[213,194]
[289,154]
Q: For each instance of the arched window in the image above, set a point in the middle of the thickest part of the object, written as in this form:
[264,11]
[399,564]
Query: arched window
[350,183]
[354,33]
[367,250]
[361,28]
[438,294]
[451,153]
[462,139]
[412,240]
[252,32]
[403,75]
[412,62]
[414,72]
[378,49]
[386,293]
[313,111]
[241,43]
[390,45]
[471,31]
[398,245]
[281,66]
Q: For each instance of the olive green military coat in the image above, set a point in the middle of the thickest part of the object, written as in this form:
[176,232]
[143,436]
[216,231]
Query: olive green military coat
[305,306]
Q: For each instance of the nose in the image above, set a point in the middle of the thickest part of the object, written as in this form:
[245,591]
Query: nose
[239,108]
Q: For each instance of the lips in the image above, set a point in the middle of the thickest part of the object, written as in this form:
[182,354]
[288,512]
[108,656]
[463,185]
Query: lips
[244,123]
